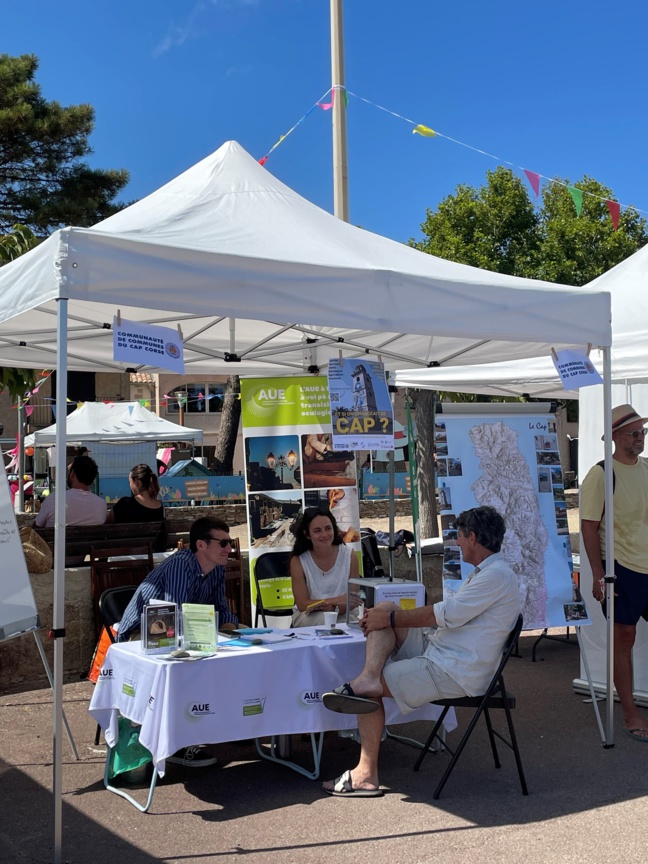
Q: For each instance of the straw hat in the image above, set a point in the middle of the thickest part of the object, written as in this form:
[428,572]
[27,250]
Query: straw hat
[622,416]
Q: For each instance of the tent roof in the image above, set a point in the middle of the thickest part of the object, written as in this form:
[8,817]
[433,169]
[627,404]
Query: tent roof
[626,283]
[117,421]
[247,267]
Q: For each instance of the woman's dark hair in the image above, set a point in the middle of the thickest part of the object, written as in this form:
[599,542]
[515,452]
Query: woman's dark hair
[148,478]
[487,524]
[300,527]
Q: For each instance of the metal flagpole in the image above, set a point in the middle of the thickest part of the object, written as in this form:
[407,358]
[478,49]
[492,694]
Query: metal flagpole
[338,97]
[609,542]
[58,626]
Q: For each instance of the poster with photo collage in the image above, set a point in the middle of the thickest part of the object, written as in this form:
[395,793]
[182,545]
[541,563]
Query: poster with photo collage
[511,462]
[290,465]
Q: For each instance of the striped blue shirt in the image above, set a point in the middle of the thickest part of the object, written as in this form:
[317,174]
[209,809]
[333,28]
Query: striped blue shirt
[179,580]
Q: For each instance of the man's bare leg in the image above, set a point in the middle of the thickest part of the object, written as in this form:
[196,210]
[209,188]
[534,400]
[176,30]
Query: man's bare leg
[624,638]
[370,683]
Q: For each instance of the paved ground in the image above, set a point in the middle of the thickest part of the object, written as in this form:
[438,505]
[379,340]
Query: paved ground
[586,803]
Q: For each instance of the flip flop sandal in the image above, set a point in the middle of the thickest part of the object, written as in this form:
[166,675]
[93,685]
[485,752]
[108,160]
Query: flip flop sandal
[343,788]
[344,701]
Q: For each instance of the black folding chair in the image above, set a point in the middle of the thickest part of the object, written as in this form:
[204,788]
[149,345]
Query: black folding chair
[495,697]
[112,605]
[272,567]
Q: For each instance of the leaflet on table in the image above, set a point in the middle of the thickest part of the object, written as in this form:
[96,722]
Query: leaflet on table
[159,628]
[199,626]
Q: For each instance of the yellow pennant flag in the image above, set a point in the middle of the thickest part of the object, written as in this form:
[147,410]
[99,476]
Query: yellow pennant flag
[423,130]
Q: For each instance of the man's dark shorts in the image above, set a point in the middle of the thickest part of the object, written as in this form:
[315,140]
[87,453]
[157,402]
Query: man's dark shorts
[631,601]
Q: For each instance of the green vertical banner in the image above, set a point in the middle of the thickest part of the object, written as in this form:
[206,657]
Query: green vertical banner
[290,465]
[413,474]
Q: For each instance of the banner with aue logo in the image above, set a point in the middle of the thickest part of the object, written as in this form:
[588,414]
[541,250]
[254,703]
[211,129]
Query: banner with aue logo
[290,464]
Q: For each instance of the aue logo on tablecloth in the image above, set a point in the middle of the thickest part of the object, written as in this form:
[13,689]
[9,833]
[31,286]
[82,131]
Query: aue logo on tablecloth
[308,698]
[196,710]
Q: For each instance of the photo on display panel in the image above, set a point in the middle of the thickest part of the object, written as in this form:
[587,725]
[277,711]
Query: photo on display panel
[272,462]
[454,467]
[271,515]
[442,467]
[575,612]
[448,520]
[547,457]
[544,480]
[322,467]
[343,504]
[556,474]
[545,442]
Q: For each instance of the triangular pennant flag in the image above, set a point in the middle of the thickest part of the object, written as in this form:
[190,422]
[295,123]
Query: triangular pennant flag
[79,404]
[577,198]
[142,402]
[615,208]
[325,106]
[29,410]
[423,130]
[534,180]
[263,160]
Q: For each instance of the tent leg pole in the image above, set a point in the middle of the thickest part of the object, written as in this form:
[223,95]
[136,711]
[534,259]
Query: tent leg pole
[609,541]
[59,571]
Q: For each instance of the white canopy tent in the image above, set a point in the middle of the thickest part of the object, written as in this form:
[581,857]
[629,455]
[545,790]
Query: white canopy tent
[537,377]
[227,241]
[261,281]
[116,421]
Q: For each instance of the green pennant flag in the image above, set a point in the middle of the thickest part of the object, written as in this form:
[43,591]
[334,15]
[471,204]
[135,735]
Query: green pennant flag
[577,198]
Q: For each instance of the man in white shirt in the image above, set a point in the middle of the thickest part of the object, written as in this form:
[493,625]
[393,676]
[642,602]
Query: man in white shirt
[414,664]
[82,507]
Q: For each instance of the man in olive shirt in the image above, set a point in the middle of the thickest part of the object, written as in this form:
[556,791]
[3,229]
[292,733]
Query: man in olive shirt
[630,548]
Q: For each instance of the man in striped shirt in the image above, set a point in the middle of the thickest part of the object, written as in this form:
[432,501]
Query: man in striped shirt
[195,575]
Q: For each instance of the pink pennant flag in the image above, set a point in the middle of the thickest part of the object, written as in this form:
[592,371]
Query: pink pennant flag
[29,410]
[35,390]
[326,106]
[263,160]
[615,208]
[534,180]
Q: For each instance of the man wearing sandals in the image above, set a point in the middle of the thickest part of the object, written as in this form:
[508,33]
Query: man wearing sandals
[446,650]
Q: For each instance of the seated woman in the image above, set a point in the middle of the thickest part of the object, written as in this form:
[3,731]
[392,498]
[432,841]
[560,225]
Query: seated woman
[143,504]
[320,567]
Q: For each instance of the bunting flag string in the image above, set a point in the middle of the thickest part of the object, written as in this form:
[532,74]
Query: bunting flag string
[320,103]
[534,177]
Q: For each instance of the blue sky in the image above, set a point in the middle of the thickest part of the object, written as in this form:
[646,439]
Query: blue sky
[557,87]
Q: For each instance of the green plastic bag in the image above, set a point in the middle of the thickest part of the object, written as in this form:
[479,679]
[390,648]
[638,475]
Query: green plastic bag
[128,754]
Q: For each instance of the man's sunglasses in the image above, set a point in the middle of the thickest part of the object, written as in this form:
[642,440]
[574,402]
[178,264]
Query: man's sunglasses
[638,433]
[222,543]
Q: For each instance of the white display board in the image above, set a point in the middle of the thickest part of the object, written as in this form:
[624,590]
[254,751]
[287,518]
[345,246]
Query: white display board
[18,612]
[508,458]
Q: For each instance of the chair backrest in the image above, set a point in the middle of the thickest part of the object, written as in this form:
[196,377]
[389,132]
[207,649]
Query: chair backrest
[371,561]
[272,582]
[133,568]
[509,645]
[113,603]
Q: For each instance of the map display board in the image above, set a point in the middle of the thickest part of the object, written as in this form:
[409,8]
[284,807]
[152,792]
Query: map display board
[510,462]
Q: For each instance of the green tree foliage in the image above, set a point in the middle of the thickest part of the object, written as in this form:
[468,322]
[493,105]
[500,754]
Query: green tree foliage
[497,227]
[44,182]
[19,240]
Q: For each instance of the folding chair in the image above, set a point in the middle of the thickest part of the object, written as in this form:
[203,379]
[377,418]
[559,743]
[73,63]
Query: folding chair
[112,605]
[272,569]
[495,696]
[132,566]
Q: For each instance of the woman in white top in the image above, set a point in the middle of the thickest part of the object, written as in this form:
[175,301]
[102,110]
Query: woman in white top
[320,567]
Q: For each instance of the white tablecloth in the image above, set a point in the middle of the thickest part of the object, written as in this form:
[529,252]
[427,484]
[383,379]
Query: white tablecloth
[237,694]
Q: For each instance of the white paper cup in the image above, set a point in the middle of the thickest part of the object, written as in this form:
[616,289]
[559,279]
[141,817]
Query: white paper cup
[330,619]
